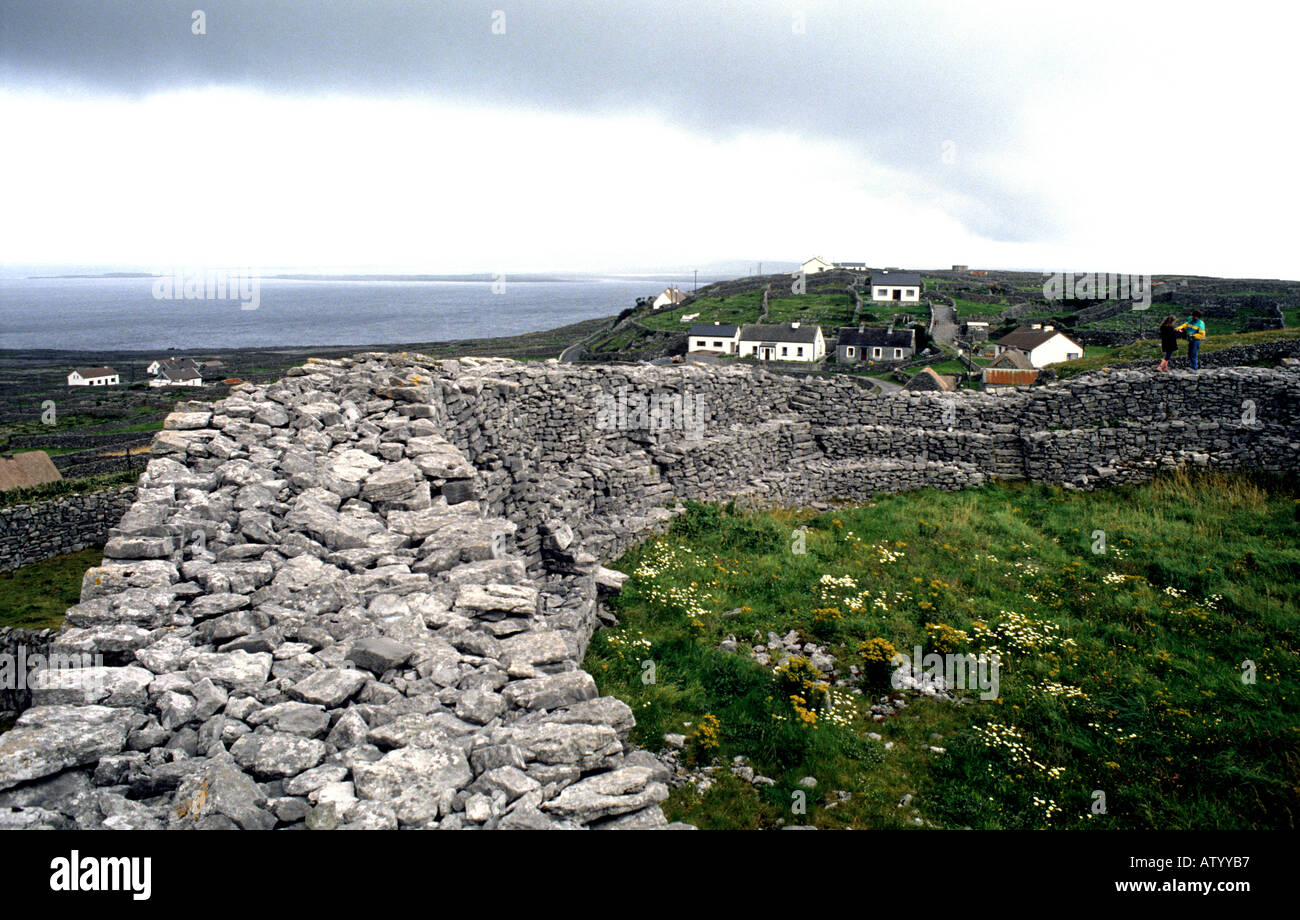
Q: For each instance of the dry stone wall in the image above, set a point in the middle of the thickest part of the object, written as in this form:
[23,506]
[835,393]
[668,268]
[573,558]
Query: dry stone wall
[42,530]
[360,596]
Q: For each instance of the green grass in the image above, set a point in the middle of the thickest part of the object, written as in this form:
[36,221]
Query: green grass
[828,308]
[734,310]
[1121,672]
[1149,350]
[971,308]
[36,596]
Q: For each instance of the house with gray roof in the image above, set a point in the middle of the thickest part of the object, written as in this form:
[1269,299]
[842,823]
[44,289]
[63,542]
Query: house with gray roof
[781,342]
[874,343]
[175,372]
[713,338]
[891,285]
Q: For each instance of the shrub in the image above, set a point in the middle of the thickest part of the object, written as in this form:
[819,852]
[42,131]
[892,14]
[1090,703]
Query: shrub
[876,655]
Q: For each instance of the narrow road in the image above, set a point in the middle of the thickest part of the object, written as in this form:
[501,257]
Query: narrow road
[943,323]
[566,356]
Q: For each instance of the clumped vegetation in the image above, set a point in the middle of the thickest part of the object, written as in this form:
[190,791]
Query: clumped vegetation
[64,487]
[1146,635]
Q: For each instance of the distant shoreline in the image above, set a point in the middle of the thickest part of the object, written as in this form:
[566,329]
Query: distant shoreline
[478,277]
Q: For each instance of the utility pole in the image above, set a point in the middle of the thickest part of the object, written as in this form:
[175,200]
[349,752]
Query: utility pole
[697,281]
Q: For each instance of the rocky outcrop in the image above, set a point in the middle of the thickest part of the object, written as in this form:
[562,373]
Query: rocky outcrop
[359,597]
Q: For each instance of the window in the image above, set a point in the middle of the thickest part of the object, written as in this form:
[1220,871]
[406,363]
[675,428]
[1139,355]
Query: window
[717,344]
[875,352]
[911,292]
[849,351]
[784,351]
[754,350]
[898,352]
[799,351]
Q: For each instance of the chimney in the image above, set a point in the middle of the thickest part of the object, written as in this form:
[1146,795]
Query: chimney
[1036,326]
[1048,328]
[862,327]
[794,325]
[717,322]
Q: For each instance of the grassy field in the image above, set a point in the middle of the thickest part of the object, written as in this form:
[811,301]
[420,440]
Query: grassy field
[36,596]
[827,308]
[1157,677]
[972,308]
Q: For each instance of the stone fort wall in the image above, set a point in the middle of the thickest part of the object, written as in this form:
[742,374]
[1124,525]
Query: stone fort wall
[360,596]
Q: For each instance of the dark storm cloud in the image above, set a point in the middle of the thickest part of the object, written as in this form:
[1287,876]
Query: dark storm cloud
[892,81]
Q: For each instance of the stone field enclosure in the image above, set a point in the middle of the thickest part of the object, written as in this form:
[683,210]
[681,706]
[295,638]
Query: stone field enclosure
[361,595]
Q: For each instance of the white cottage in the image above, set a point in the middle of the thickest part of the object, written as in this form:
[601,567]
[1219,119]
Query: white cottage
[781,342]
[904,287]
[94,377]
[669,298]
[175,372]
[1043,344]
[815,265]
[713,338]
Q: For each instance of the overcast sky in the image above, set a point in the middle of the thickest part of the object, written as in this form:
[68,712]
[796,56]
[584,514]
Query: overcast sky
[602,135]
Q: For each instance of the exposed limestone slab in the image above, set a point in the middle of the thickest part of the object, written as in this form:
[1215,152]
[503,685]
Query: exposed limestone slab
[48,739]
[614,793]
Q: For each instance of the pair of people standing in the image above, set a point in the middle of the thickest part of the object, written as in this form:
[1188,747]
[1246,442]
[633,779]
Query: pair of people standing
[1195,327]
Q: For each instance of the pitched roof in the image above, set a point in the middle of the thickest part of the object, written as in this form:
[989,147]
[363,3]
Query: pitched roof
[778,332]
[1027,339]
[1013,357]
[88,372]
[674,294]
[930,379]
[179,369]
[896,279]
[875,336]
[726,331]
[30,468]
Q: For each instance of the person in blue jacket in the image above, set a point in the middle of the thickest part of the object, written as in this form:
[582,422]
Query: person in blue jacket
[1195,327]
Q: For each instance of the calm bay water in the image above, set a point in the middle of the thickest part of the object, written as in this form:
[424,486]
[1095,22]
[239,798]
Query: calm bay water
[101,314]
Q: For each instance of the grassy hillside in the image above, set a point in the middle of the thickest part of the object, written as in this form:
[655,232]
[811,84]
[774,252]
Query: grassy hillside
[1148,351]
[36,596]
[1121,671]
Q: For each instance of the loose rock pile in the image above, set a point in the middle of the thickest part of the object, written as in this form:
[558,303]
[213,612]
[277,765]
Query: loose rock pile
[307,619]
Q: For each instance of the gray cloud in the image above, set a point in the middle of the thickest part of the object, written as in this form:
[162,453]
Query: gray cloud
[893,82]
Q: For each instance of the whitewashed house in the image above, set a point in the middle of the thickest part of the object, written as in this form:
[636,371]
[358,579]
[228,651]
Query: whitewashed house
[815,265]
[670,297]
[781,342]
[713,338]
[1043,344]
[904,287]
[94,377]
[175,372]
